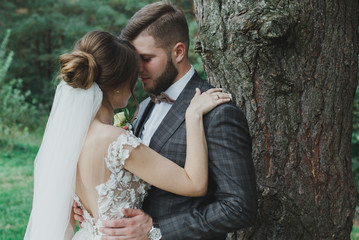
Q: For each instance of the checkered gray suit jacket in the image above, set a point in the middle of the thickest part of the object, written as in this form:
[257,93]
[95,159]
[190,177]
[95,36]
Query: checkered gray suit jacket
[231,201]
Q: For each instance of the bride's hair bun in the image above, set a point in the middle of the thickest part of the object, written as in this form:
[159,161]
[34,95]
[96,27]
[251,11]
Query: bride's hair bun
[101,57]
[78,69]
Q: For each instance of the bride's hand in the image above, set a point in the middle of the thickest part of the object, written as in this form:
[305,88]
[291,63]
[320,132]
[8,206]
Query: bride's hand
[205,102]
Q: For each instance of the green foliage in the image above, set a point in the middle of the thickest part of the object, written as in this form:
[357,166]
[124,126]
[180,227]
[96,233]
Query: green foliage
[354,235]
[5,61]
[16,114]
[355,136]
[355,140]
[44,29]
[194,58]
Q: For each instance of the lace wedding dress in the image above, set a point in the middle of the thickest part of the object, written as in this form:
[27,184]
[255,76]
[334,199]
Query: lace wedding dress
[122,190]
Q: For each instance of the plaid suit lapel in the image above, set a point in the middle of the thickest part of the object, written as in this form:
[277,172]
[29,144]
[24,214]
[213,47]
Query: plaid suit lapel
[144,110]
[176,115]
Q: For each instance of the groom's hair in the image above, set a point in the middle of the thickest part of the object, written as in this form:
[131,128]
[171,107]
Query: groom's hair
[163,21]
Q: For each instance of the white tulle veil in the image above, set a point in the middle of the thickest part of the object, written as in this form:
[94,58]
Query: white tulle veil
[55,165]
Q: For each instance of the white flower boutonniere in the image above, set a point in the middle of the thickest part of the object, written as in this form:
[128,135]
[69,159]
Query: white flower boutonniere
[123,119]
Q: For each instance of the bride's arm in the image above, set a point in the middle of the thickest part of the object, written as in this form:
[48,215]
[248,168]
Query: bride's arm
[161,172]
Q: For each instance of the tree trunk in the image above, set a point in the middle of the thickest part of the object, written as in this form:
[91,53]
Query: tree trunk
[292,68]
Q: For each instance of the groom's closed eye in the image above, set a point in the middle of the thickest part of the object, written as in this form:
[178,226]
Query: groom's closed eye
[146,58]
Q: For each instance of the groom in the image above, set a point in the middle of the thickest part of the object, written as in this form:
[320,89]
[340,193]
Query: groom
[159,33]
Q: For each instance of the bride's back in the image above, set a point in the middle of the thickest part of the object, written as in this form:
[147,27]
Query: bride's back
[91,167]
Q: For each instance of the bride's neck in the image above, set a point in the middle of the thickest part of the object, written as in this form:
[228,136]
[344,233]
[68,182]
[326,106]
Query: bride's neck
[105,113]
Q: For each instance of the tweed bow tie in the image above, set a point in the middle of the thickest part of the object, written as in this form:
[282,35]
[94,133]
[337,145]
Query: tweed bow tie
[163,97]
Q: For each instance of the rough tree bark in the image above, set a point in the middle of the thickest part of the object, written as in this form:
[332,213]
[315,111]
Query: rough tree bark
[292,68]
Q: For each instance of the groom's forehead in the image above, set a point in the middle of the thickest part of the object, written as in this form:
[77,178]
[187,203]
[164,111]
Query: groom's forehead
[145,41]
[147,48]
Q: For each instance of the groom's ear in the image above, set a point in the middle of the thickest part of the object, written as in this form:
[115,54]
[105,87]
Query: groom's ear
[178,52]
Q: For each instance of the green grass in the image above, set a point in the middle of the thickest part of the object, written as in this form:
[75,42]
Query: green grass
[16,187]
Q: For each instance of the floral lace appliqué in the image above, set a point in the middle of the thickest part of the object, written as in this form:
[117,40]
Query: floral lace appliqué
[123,189]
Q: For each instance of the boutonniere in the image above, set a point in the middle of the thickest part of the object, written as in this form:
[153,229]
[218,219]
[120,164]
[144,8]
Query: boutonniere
[123,119]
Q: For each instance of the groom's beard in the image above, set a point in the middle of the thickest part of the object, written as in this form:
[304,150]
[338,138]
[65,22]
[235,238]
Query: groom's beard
[165,80]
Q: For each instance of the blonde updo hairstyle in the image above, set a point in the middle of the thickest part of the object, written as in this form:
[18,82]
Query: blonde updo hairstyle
[102,58]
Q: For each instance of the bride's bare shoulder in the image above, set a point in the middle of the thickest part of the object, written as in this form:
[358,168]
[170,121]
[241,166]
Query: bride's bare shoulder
[104,133]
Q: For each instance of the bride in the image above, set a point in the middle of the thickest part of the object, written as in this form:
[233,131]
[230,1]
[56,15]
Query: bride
[105,168]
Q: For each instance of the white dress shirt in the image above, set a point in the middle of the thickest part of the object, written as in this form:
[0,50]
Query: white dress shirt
[160,110]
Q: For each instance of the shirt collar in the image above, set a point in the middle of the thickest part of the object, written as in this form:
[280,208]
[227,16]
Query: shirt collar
[176,88]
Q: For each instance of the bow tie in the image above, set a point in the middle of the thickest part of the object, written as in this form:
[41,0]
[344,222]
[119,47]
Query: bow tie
[163,97]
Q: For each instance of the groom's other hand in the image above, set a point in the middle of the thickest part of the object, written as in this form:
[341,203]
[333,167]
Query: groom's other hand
[77,213]
[135,225]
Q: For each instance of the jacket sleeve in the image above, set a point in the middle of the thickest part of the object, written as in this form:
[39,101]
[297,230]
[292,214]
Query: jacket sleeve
[232,193]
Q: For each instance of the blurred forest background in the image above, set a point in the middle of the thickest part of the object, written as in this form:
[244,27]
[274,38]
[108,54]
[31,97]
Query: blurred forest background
[35,34]
[32,35]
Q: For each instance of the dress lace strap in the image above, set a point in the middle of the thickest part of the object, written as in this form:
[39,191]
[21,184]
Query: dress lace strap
[119,151]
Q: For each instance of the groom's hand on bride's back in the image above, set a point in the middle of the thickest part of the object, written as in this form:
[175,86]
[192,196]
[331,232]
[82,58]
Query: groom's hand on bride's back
[135,225]
[77,213]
